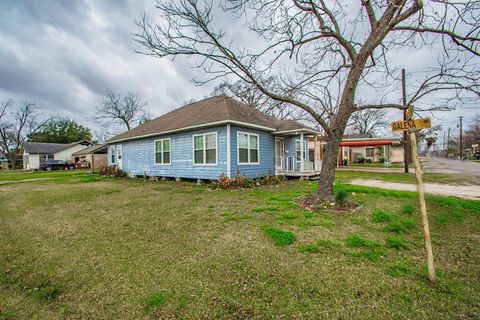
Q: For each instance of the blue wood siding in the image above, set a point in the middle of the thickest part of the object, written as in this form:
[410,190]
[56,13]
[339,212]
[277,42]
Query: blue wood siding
[266,154]
[138,156]
[290,150]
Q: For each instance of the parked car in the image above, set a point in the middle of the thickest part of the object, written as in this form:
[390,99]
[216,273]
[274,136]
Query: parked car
[56,165]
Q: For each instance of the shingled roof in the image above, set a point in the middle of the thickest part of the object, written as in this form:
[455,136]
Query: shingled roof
[210,111]
[49,148]
[94,148]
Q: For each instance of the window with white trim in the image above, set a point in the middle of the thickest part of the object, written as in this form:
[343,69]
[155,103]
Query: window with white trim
[247,144]
[298,151]
[162,151]
[205,149]
[112,154]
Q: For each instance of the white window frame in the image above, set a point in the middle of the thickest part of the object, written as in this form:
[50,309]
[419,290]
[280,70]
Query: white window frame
[155,151]
[204,164]
[304,151]
[113,154]
[248,148]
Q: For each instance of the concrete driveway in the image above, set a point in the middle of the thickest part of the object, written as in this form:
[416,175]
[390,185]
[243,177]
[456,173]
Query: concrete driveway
[453,166]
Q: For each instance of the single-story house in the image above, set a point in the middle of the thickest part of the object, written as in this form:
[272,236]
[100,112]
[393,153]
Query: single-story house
[372,149]
[217,135]
[36,153]
[4,164]
[94,156]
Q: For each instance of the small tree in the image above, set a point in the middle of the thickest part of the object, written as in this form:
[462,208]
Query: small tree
[128,110]
[319,49]
[62,130]
[18,121]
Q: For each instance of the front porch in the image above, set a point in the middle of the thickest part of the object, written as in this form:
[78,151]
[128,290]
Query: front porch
[294,158]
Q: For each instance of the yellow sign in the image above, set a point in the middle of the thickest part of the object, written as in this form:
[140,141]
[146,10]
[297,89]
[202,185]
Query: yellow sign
[402,125]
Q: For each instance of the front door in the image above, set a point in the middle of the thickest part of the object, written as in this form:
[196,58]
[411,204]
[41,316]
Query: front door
[119,156]
[279,154]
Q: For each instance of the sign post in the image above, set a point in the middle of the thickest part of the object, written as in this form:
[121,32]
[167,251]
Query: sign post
[411,126]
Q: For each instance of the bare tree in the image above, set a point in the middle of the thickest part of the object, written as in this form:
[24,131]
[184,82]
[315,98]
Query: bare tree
[319,49]
[368,121]
[472,134]
[254,98]
[128,110]
[17,123]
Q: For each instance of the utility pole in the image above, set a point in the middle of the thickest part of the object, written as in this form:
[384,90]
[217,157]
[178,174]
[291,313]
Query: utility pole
[461,139]
[406,146]
[448,141]
[443,145]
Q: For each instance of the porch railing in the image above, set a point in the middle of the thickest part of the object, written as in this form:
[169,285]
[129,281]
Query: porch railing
[289,163]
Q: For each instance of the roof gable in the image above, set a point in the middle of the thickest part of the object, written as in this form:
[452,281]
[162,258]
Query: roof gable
[50,148]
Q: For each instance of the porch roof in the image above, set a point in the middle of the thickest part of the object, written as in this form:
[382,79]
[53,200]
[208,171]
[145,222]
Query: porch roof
[366,143]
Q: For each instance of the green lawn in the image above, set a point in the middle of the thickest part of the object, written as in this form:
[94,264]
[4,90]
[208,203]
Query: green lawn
[80,247]
[376,165]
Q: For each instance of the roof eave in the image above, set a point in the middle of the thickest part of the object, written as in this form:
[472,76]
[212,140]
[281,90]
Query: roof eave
[205,125]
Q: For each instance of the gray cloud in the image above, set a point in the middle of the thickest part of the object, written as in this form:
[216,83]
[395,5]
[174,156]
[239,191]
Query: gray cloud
[63,54]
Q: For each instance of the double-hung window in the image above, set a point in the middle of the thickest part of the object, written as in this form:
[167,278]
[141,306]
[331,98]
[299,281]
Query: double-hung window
[162,151]
[247,148]
[112,155]
[298,151]
[205,149]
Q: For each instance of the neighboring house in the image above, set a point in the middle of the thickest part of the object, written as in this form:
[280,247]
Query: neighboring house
[4,164]
[36,153]
[217,135]
[354,147]
[95,156]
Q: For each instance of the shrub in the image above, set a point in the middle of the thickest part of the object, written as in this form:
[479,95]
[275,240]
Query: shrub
[397,243]
[279,237]
[242,182]
[341,197]
[112,171]
[381,216]
[345,162]
[382,159]
[239,182]
[361,159]
[368,160]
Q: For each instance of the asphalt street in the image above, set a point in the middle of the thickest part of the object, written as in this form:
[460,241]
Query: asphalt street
[444,165]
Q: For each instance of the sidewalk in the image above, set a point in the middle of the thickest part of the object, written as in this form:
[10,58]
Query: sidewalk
[375,169]
[465,192]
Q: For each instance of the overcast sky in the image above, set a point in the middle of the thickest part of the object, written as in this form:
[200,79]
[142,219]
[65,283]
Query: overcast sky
[64,54]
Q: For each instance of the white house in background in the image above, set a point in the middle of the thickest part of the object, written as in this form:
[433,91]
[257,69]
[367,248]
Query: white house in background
[36,153]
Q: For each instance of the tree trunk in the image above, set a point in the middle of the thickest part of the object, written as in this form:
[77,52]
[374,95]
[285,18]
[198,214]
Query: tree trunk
[327,174]
[13,160]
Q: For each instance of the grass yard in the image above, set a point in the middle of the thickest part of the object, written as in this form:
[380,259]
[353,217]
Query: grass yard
[80,247]
[376,165]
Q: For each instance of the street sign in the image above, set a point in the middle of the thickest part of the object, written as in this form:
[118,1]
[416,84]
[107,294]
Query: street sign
[402,125]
